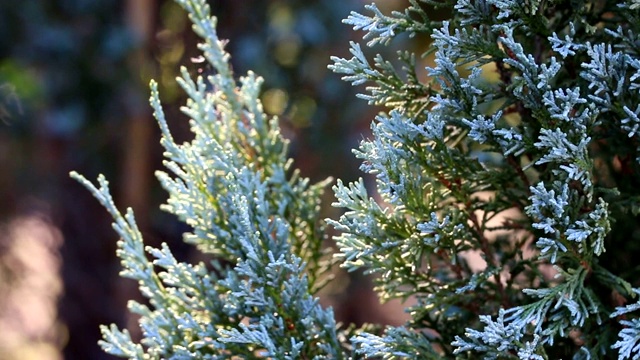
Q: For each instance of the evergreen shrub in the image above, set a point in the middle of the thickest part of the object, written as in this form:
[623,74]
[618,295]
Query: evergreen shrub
[517,145]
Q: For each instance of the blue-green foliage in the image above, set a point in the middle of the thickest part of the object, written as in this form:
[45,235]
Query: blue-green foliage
[233,185]
[529,107]
[518,147]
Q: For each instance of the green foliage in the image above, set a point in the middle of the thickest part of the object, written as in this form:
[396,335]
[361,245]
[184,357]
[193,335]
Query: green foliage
[233,186]
[521,148]
[519,168]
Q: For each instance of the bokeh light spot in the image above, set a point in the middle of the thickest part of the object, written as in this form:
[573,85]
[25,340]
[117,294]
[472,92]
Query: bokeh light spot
[302,111]
[275,101]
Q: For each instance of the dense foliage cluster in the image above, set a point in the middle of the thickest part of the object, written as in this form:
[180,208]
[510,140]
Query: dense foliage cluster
[520,148]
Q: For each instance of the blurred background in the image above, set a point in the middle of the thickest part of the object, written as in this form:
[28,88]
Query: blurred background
[73,96]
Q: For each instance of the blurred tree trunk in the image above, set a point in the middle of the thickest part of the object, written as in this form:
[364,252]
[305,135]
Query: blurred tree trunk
[136,172]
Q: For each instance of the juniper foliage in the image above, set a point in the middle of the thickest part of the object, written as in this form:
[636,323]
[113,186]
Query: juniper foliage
[233,186]
[520,152]
[519,144]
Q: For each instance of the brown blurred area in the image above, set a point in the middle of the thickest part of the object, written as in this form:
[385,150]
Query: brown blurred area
[73,96]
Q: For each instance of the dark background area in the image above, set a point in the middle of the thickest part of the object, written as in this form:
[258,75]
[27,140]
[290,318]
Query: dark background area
[74,80]
[73,96]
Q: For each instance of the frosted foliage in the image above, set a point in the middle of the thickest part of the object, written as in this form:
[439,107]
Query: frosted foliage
[500,202]
[525,99]
[261,302]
